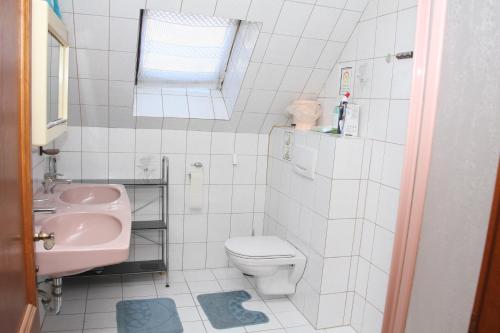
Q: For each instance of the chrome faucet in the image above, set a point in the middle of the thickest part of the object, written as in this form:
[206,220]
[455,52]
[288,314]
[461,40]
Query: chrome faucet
[52,170]
[50,179]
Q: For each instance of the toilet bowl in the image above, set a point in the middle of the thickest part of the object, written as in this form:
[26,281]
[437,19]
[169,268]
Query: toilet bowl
[276,265]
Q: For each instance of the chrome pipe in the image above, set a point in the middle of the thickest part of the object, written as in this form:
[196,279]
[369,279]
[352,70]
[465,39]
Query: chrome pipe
[52,301]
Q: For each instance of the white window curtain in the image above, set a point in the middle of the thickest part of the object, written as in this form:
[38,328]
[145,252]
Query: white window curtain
[184,50]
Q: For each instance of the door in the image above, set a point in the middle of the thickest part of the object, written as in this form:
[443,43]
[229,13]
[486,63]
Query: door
[18,312]
[487,304]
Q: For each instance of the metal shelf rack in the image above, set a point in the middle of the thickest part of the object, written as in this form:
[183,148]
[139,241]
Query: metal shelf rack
[144,266]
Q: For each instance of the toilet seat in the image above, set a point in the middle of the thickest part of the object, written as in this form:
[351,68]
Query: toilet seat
[262,247]
[275,264]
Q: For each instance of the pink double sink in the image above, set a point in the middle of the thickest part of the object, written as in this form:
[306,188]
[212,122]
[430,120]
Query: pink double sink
[92,228]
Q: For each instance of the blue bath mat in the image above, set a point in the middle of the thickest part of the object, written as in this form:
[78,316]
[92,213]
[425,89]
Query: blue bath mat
[224,310]
[157,315]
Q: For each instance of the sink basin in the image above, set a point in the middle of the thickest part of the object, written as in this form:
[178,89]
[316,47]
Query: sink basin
[91,228]
[81,229]
[90,195]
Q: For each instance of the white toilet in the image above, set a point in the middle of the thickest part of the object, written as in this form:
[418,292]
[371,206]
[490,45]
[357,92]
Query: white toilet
[276,264]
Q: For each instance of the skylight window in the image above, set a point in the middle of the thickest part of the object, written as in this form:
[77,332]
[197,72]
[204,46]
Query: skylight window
[182,50]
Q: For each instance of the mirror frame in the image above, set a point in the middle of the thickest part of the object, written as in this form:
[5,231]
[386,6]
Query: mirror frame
[45,21]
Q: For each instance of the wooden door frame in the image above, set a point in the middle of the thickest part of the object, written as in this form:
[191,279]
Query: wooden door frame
[491,239]
[431,22]
[30,317]
[25,154]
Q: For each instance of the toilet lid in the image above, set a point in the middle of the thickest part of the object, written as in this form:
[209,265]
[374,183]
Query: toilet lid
[260,247]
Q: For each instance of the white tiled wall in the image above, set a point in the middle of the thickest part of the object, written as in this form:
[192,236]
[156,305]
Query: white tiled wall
[365,183]
[344,220]
[179,103]
[383,90]
[39,167]
[323,218]
[233,195]
[299,43]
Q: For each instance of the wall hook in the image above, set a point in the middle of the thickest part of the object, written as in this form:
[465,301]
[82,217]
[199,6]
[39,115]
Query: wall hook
[404,55]
[399,56]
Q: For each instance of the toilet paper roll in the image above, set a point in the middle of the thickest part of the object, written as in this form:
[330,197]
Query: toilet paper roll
[196,188]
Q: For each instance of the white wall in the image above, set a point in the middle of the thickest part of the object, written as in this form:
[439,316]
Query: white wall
[233,195]
[464,161]
[382,92]
[298,46]
[382,89]
[39,167]
[322,218]
[299,43]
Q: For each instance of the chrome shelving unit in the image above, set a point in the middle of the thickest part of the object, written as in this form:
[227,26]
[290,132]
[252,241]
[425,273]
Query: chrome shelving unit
[144,266]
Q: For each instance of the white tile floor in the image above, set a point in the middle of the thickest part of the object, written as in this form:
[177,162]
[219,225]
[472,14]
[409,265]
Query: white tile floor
[89,304]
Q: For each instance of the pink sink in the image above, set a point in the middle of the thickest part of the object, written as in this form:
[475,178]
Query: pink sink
[92,229]
[90,195]
[81,229]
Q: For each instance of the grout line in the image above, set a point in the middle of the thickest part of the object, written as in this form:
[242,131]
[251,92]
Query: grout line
[86,300]
[78,88]
[109,86]
[275,23]
[337,61]
[247,11]
[288,66]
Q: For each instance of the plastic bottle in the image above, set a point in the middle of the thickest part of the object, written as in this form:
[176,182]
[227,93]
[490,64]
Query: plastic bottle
[342,112]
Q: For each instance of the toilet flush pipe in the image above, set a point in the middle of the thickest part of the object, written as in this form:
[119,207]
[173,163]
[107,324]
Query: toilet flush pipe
[57,294]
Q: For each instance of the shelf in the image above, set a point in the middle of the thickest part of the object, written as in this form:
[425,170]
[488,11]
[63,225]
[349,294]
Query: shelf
[148,225]
[135,182]
[129,267]
[161,224]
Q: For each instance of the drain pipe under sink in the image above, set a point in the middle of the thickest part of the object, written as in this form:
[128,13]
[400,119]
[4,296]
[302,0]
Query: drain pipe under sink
[52,301]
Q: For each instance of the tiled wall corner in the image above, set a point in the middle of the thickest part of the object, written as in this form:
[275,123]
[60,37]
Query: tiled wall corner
[320,217]
[382,89]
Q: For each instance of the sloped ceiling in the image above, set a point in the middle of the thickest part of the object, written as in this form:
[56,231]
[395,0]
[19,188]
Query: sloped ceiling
[298,46]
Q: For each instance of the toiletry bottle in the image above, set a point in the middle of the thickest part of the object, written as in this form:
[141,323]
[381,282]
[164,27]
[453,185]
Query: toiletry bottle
[342,112]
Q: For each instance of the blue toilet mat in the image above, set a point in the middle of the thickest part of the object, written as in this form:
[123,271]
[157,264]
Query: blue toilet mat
[224,310]
[158,315]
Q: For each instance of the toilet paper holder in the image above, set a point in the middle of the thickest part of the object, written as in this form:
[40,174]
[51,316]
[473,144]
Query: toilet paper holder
[196,165]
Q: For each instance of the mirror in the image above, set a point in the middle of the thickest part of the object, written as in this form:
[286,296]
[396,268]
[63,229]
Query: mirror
[49,74]
[52,79]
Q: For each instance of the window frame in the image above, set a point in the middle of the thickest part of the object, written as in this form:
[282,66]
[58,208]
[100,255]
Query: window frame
[139,53]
